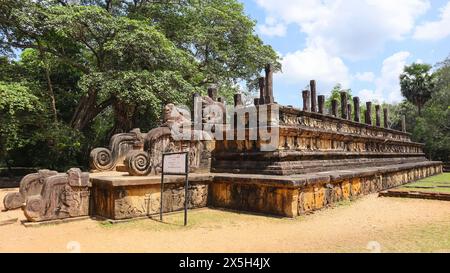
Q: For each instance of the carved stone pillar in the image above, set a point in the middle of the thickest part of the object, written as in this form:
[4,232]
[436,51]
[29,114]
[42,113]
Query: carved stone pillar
[377,115]
[306,100]
[312,84]
[212,93]
[386,117]
[238,100]
[344,108]
[262,90]
[357,109]
[334,107]
[349,111]
[269,85]
[321,100]
[368,116]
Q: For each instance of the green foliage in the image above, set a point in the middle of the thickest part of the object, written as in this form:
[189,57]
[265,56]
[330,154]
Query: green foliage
[26,138]
[64,81]
[17,106]
[404,108]
[417,84]
[432,124]
[109,66]
[336,95]
[218,35]
[57,146]
[433,127]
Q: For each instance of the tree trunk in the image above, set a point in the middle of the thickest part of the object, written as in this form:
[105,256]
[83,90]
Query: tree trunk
[84,112]
[87,110]
[123,117]
[49,82]
[52,94]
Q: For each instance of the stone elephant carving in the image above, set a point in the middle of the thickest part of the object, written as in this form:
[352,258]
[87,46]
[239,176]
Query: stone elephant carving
[63,195]
[30,184]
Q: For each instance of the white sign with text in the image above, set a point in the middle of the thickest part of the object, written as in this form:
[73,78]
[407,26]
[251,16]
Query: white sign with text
[174,163]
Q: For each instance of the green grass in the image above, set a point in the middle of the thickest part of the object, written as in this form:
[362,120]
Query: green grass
[441,178]
[437,183]
[428,238]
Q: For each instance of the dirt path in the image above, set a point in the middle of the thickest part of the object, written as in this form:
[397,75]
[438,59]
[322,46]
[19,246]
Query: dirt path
[389,223]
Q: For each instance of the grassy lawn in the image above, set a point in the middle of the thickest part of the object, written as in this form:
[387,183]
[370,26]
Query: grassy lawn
[437,183]
[429,238]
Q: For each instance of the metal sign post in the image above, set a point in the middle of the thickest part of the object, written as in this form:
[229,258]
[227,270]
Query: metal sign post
[175,164]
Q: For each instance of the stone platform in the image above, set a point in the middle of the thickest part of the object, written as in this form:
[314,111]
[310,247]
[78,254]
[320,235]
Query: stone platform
[117,195]
[120,196]
[416,194]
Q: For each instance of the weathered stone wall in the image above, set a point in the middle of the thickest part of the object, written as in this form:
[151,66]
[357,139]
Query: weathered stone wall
[124,202]
[308,193]
[318,196]
[294,117]
[312,142]
[253,197]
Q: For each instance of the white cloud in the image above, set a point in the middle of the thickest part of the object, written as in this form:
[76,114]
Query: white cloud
[387,83]
[272,28]
[349,28]
[435,30]
[337,31]
[370,95]
[365,76]
[313,63]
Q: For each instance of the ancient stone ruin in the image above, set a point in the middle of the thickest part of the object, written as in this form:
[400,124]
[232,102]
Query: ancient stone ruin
[49,195]
[321,157]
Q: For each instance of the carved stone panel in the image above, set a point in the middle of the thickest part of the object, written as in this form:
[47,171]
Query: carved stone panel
[62,196]
[112,158]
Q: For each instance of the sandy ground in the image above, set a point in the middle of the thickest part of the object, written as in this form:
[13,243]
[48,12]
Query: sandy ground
[370,223]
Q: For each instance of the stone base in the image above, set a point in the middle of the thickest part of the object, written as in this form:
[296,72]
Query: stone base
[122,197]
[416,194]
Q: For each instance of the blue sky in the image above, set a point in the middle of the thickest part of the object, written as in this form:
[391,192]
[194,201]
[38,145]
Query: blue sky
[362,44]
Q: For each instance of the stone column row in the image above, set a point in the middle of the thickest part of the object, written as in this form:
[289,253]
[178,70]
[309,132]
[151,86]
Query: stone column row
[314,103]
[346,111]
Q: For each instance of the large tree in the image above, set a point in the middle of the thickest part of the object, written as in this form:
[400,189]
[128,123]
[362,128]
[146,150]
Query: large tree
[417,84]
[134,56]
[433,127]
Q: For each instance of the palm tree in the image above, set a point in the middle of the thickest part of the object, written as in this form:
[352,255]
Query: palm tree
[417,84]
